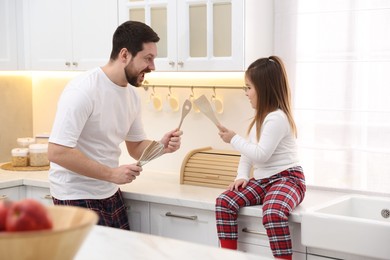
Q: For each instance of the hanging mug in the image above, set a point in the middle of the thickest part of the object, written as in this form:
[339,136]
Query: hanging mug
[194,106]
[156,102]
[173,102]
[217,103]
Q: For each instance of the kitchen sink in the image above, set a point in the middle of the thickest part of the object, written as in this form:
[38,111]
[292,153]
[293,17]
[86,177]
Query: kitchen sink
[353,224]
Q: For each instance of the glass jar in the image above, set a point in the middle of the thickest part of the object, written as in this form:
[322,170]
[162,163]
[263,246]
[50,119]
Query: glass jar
[42,138]
[24,142]
[19,157]
[38,155]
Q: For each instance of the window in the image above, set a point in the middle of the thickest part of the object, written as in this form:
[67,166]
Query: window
[337,54]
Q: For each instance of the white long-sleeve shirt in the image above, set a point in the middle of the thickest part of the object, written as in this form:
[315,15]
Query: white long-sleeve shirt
[275,152]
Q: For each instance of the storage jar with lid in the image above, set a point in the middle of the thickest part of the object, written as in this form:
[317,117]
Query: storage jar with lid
[24,142]
[19,157]
[38,155]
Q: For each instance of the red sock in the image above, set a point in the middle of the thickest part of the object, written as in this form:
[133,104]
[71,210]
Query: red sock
[287,257]
[228,243]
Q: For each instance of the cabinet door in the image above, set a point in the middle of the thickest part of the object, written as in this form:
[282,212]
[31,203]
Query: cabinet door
[8,41]
[211,35]
[252,232]
[39,193]
[188,224]
[13,193]
[201,35]
[69,34]
[93,24]
[49,32]
[139,216]
[161,16]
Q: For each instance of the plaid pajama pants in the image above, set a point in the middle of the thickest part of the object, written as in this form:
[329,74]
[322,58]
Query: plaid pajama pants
[112,211]
[279,195]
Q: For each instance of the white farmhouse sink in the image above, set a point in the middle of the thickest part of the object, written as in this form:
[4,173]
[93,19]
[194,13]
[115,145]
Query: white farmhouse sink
[352,224]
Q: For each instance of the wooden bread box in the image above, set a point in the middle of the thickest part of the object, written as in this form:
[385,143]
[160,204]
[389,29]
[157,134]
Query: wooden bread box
[209,167]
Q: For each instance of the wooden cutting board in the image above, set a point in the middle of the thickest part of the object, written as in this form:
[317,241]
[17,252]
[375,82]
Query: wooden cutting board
[209,167]
[9,167]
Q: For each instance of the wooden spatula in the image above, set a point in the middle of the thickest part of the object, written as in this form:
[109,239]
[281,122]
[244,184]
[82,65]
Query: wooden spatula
[187,105]
[204,105]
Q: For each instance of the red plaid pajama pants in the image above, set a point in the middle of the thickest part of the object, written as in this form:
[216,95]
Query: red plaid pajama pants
[279,195]
[112,211]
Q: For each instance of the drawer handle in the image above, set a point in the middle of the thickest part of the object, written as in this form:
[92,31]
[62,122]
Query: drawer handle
[3,197]
[246,230]
[48,197]
[169,214]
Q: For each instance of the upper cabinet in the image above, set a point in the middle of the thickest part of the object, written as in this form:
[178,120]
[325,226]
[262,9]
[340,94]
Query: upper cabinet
[201,35]
[8,38]
[68,34]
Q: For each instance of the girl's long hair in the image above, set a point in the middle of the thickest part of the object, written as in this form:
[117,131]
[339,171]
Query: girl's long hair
[269,79]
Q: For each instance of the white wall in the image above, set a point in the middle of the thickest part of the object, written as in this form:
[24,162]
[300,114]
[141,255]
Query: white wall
[198,130]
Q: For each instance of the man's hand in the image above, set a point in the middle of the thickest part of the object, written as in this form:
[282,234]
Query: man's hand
[172,141]
[125,173]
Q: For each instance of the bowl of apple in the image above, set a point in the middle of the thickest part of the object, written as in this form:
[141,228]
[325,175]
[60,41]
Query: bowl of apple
[31,230]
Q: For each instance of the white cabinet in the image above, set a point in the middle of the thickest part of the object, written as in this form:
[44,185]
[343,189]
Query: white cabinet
[13,193]
[68,34]
[8,32]
[188,224]
[252,238]
[39,193]
[139,215]
[201,35]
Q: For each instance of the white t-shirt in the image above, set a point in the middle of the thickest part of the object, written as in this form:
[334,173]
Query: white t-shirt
[275,152]
[94,115]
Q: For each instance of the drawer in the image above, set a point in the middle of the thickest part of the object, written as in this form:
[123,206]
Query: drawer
[252,231]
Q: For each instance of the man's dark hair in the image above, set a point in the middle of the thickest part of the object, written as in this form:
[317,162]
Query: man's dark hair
[132,35]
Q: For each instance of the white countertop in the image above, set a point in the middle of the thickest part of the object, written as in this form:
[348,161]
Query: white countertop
[165,188]
[104,242]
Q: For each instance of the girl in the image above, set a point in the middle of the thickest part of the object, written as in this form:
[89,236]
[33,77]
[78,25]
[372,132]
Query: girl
[278,182]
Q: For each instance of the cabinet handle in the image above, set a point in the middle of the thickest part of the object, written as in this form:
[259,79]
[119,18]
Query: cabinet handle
[67,64]
[3,197]
[75,64]
[47,197]
[180,63]
[169,214]
[246,230]
[171,63]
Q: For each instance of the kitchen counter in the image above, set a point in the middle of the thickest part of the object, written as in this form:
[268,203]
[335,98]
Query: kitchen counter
[165,188]
[103,242]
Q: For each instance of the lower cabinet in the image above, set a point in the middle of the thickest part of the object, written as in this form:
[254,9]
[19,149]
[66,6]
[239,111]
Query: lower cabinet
[139,215]
[12,193]
[252,238]
[188,224]
[39,193]
[316,253]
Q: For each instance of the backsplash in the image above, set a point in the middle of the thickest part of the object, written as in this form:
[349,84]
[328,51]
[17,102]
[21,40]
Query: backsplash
[198,130]
[29,101]
[16,119]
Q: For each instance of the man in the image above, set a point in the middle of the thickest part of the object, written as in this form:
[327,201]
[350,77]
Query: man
[96,112]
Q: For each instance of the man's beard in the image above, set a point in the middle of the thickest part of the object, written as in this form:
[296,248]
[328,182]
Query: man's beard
[133,78]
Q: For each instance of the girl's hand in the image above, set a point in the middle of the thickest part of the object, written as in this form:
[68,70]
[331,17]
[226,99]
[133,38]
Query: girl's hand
[225,134]
[237,184]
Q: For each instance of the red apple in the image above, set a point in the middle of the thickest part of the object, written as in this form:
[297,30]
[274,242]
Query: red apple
[28,215]
[4,208]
